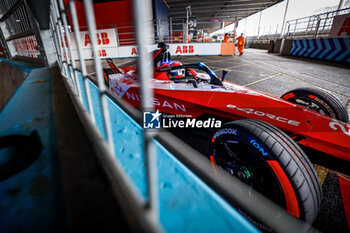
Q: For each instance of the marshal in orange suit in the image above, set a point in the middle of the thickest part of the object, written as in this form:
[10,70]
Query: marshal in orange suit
[240,43]
[226,38]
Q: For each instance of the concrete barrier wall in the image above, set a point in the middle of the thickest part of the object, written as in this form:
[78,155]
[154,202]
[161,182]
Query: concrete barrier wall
[276,48]
[287,46]
[258,45]
[185,201]
[333,49]
[190,49]
[10,79]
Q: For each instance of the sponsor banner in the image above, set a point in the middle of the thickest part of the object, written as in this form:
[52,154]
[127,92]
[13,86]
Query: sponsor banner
[194,49]
[336,49]
[108,47]
[201,49]
[105,52]
[26,46]
[132,50]
[105,38]
[178,49]
[340,26]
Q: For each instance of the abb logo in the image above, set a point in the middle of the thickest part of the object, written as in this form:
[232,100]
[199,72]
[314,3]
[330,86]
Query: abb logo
[27,44]
[345,28]
[102,38]
[101,53]
[134,51]
[184,49]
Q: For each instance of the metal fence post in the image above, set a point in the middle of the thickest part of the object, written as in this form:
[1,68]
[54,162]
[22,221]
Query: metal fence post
[317,25]
[284,18]
[81,58]
[171,29]
[65,25]
[90,18]
[58,48]
[145,75]
[61,37]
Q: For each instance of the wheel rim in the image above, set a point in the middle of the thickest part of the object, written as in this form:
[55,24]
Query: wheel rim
[239,159]
[311,104]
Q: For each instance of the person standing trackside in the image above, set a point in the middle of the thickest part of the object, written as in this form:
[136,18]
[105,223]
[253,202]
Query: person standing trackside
[240,44]
[226,37]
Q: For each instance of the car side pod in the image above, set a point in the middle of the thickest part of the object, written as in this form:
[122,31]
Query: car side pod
[224,73]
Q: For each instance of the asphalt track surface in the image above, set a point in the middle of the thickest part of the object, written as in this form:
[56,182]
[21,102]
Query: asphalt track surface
[275,75]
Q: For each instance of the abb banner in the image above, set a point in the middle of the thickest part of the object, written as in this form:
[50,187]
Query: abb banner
[26,46]
[201,49]
[340,26]
[195,49]
[108,47]
[106,40]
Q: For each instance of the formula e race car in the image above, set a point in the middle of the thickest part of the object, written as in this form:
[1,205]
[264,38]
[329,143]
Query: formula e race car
[259,144]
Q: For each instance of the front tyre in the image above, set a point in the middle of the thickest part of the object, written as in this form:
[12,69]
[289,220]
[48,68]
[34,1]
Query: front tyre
[266,159]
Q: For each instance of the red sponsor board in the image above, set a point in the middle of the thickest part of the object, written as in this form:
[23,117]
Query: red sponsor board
[104,38]
[26,46]
[108,13]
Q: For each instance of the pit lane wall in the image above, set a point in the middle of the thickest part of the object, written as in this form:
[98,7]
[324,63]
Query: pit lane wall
[332,49]
[193,49]
[109,47]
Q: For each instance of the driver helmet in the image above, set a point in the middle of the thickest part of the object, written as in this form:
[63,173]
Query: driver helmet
[179,73]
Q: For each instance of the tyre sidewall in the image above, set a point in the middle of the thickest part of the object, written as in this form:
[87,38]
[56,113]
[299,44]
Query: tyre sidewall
[232,130]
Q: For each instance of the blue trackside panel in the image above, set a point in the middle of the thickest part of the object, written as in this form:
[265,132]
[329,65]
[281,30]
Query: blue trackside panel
[128,144]
[95,98]
[334,49]
[83,91]
[187,204]
[31,200]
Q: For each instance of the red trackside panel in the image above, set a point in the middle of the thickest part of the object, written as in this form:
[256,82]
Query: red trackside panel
[109,15]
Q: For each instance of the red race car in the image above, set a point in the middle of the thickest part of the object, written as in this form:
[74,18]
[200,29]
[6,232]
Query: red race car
[259,142]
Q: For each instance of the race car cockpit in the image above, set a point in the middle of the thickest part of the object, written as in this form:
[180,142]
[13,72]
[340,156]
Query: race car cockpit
[161,55]
[178,72]
[166,69]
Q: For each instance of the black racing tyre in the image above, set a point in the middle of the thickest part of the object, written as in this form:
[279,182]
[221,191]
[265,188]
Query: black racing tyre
[319,101]
[106,73]
[269,161]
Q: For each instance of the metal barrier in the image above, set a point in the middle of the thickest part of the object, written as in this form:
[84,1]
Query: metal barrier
[117,137]
[97,107]
[314,26]
[102,112]
[98,112]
